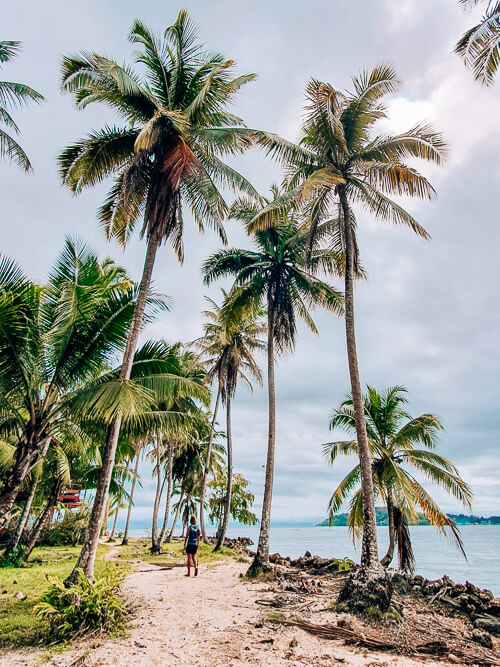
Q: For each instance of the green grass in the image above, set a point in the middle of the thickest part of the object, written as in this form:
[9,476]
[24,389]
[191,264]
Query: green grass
[18,624]
[138,549]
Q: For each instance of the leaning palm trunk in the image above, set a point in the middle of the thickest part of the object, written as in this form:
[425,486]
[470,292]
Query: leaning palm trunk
[176,518]
[113,528]
[406,557]
[166,516]
[221,533]
[131,502]
[387,559]
[262,556]
[369,548]
[86,559]
[155,541]
[207,470]
[43,520]
[18,535]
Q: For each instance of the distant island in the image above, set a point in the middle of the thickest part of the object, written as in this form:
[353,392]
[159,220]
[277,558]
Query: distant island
[459,519]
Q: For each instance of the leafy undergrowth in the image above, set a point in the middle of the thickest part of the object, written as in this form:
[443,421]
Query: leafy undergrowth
[18,624]
[83,607]
[138,549]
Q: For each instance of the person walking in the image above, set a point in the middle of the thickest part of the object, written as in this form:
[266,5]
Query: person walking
[191,544]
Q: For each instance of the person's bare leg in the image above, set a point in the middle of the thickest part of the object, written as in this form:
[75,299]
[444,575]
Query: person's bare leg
[188,566]
[195,565]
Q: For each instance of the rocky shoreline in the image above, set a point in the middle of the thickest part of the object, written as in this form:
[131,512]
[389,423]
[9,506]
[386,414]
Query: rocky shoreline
[480,606]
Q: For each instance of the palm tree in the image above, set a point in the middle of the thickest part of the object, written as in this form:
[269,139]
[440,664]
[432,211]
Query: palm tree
[12,95]
[340,163]
[394,438]
[228,347]
[167,154]
[275,276]
[480,46]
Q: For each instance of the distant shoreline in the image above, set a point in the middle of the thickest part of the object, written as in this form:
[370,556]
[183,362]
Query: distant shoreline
[340,520]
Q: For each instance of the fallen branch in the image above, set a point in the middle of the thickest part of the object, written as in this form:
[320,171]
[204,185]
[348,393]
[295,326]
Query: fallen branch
[422,650]
[335,632]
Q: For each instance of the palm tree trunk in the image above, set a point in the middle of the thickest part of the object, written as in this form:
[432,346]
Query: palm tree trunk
[262,555]
[131,502]
[221,534]
[113,528]
[27,454]
[176,518]
[155,542]
[24,517]
[387,559]
[43,520]
[87,555]
[166,516]
[29,502]
[207,470]
[104,530]
[369,548]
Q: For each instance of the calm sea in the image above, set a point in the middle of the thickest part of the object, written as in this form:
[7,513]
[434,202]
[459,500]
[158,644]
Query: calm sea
[435,554]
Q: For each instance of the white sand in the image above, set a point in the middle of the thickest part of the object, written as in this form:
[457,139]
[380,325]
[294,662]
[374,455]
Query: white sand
[209,620]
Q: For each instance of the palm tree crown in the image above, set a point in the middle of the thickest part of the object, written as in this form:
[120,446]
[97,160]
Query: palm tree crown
[275,274]
[13,95]
[480,45]
[177,127]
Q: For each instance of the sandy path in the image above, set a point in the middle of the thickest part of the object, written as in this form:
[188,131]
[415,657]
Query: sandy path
[211,621]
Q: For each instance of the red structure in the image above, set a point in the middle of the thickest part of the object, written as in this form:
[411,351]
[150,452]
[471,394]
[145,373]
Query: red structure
[70,498]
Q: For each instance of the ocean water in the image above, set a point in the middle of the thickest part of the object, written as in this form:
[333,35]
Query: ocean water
[435,554]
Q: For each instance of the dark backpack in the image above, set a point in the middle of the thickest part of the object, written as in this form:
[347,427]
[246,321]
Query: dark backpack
[193,535]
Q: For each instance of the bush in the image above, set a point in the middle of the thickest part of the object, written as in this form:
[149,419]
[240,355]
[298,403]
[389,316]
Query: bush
[13,557]
[69,531]
[85,606]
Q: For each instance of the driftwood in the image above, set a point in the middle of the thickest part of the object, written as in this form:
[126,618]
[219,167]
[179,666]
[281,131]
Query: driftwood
[439,648]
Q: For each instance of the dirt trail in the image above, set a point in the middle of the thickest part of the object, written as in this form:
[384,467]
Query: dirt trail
[207,621]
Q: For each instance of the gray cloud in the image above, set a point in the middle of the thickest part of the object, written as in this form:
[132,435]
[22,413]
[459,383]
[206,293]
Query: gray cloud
[428,315]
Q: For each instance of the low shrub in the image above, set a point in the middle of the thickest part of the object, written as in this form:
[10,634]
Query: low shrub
[85,606]
[13,557]
[68,531]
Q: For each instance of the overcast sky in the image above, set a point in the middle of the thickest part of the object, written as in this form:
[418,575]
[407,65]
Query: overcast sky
[427,317]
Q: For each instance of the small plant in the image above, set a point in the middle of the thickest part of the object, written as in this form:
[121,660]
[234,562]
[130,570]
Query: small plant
[341,564]
[13,557]
[85,606]
[345,564]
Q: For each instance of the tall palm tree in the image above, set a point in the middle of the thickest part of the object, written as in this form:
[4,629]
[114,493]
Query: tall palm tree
[397,442]
[13,95]
[480,45]
[340,163]
[167,154]
[274,276]
[228,347]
